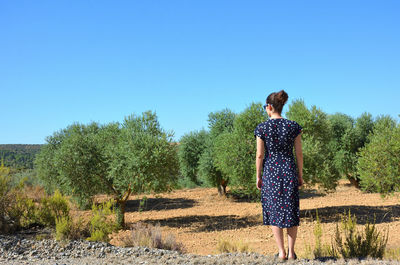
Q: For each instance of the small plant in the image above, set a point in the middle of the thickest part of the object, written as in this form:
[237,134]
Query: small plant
[102,223]
[392,254]
[229,246]
[142,203]
[320,249]
[53,208]
[69,229]
[358,244]
[151,236]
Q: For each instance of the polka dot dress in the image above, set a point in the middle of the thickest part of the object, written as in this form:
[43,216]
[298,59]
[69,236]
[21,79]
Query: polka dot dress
[279,190]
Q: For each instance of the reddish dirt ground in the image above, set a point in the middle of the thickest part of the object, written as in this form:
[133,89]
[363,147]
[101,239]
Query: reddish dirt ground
[199,217]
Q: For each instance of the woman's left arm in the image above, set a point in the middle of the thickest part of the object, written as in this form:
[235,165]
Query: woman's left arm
[259,161]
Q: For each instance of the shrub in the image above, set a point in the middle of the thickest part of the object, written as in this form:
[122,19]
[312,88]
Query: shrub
[16,209]
[379,161]
[358,244]
[101,222]
[151,236]
[53,208]
[70,229]
[318,144]
[320,249]
[191,146]
[229,246]
[235,151]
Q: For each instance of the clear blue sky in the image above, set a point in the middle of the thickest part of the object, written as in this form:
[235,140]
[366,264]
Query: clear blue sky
[67,61]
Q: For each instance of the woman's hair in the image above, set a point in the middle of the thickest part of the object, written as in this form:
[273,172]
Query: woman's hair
[277,100]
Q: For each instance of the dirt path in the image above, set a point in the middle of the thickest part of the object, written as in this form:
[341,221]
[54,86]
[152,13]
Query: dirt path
[199,217]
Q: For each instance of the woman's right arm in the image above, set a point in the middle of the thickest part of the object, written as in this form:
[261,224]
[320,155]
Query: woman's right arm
[299,157]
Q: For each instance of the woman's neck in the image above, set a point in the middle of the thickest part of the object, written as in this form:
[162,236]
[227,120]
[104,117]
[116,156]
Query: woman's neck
[275,116]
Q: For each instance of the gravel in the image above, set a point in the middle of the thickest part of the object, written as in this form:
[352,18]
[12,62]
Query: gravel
[16,249]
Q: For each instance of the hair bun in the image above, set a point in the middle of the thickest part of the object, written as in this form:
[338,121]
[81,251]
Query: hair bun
[281,97]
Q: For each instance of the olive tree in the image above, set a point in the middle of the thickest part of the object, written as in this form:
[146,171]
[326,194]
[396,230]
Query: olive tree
[318,144]
[352,140]
[118,159]
[379,160]
[219,122]
[191,147]
[235,151]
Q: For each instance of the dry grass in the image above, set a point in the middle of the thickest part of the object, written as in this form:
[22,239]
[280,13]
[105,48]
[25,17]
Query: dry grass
[199,217]
[228,246]
[150,236]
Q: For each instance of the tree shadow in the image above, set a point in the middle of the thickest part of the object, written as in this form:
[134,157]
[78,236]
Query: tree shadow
[364,214]
[207,223]
[310,193]
[158,204]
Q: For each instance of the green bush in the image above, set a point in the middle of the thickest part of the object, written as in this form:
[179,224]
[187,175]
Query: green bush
[352,243]
[191,146]
[53,208]
[16,209]
[379,160]
[101,222]
[235,151]
[70,229]
[318,144]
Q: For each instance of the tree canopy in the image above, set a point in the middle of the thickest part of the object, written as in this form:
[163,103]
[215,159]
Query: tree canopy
[117,159]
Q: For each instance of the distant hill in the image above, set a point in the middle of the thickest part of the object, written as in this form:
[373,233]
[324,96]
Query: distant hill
[19,155]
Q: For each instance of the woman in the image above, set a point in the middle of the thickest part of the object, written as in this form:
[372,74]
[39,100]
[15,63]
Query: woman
[281,177]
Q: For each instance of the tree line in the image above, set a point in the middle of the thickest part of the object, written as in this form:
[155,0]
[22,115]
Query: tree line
[19,156]
[138,155]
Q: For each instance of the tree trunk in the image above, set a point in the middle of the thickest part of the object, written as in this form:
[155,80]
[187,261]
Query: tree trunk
[120,213]
[222,187]
[355,182]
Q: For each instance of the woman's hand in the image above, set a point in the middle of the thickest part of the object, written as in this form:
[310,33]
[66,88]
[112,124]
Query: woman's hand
[301,181]
[259,183]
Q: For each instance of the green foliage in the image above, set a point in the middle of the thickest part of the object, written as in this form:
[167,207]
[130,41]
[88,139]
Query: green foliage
[379,160]
[53,208]
[353,138]
[16,210]
[191,147]
[151,236]
[320,249]
[219,123]
[318,143]
[235,151]
[63,228]
[118,159]
[6,199]
[19,156]
[70,229]
[358,244]
[101,222]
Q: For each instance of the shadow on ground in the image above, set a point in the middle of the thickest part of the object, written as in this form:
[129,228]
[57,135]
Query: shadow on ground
[310,193]
[158,204]
[206,223]
[382,214]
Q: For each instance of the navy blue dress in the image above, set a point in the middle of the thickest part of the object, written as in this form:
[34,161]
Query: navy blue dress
[279,190]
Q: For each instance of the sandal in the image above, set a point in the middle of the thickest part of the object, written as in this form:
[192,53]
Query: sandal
[294,258]
[281,259]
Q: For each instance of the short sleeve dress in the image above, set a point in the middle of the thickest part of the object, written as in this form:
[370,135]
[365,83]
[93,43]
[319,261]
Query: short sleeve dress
[279,190]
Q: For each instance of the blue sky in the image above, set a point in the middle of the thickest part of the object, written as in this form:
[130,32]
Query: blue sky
[80,61]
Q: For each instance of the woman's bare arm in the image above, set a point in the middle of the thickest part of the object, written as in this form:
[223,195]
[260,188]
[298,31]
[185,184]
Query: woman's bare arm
[259,160]
[299,157]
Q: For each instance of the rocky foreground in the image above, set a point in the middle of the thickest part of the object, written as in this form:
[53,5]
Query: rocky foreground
[19,250]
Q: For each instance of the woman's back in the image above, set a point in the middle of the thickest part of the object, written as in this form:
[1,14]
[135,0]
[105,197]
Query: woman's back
[278,136]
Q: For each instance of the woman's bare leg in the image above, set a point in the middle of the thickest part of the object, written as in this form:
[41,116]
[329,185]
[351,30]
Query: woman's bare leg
[278,234]
[292,235]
